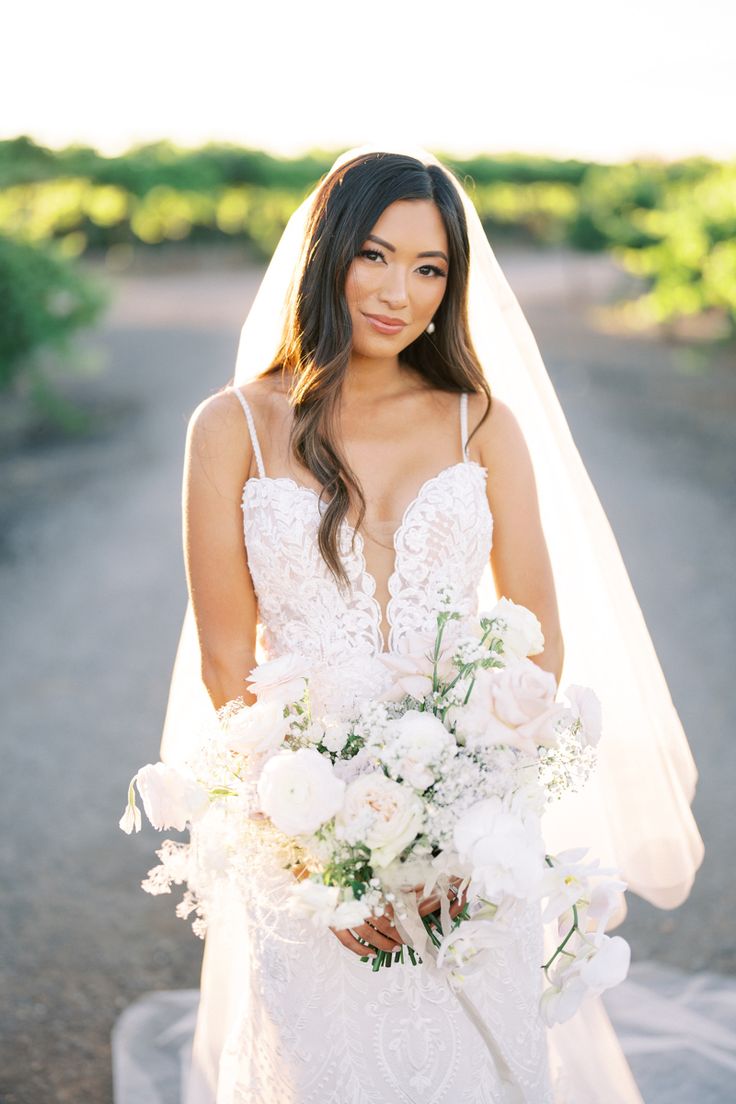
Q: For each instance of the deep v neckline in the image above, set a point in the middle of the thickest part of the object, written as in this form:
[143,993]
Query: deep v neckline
[382,616]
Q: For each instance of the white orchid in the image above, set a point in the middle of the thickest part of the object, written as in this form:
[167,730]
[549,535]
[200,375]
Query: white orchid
[171,798]
[502,848]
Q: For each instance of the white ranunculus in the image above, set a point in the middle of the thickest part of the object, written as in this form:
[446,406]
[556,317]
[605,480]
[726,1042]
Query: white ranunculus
[502,850]
[281,680]
[382,814]
[586,707]
[256,728]
[522,635]
[414,743]
[321,903]
[170,798]
[299,791]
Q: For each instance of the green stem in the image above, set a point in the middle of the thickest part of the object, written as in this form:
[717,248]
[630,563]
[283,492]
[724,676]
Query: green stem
[561,949]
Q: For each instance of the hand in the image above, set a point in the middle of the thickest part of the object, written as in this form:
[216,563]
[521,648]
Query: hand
[378,931]
[431,904]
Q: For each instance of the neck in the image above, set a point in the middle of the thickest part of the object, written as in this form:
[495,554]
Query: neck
[373,377]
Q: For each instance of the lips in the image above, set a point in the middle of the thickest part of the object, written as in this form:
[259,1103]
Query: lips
[383,324]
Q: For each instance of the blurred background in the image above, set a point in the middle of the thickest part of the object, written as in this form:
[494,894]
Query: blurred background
[149,159]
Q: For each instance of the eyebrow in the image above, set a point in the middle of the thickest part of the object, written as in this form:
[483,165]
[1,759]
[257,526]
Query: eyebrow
[428,253]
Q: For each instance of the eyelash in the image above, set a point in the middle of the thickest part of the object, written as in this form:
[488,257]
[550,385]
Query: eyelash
[364,252]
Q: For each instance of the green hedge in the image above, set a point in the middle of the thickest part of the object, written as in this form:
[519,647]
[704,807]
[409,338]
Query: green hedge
[672,224]
[44,301]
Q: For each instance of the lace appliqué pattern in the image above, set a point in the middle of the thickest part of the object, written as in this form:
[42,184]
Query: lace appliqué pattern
[444,540]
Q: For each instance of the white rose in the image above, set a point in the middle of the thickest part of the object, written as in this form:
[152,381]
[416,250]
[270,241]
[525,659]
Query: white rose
[299,791]
[503,850]
[380,813]
[321,903]
[281,680]
[415,742]
[411,671]
[522,635]
[586,707]
[522,697]
[259,727]
[170,798]
[335,734]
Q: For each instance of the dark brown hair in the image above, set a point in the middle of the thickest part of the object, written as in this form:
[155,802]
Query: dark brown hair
[317,338]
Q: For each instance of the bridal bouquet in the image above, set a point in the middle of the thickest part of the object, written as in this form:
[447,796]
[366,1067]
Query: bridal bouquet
[434,772]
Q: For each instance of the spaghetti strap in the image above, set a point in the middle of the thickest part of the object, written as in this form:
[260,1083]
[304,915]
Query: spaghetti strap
[251,430]
[464,423]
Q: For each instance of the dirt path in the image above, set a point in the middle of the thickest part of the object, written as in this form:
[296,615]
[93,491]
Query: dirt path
[92,592]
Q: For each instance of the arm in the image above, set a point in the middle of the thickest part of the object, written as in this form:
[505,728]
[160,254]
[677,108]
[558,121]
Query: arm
[217,460]
[520,560]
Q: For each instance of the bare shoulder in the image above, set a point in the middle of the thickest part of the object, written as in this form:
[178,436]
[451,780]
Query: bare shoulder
[499,439]
[218,425]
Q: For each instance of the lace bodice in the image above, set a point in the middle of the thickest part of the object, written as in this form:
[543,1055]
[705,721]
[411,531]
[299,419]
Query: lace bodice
[442,543]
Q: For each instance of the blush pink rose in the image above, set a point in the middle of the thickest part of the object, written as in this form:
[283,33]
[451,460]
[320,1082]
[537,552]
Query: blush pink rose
[522,700]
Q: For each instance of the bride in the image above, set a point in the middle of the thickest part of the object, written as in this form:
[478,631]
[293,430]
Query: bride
[391,430]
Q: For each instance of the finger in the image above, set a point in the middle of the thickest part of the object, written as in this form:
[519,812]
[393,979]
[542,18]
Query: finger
[376,938]
[429,904]
[383,924]
[455,908]
[348,940]
[458,904]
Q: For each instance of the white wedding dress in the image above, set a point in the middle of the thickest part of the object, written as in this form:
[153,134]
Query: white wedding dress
[287,1015]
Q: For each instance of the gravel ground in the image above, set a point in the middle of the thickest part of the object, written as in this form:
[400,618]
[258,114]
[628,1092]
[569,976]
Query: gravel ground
[92,593]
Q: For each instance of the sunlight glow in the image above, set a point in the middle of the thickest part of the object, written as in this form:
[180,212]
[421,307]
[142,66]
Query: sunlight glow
[605,81]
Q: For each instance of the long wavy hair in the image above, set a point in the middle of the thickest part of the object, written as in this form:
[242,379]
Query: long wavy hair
[317,336]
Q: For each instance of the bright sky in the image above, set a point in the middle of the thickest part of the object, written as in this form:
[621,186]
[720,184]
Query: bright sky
[575,77]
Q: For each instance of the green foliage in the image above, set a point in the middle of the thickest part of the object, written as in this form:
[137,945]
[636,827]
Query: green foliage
[672,224]
[44,301]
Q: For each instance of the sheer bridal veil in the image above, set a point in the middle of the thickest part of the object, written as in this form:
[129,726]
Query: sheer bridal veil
[635,813]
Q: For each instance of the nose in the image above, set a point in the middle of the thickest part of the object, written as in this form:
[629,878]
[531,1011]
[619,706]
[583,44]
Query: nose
[394,290]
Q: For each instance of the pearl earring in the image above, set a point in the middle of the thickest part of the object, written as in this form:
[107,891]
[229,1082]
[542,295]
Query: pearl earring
[430,328]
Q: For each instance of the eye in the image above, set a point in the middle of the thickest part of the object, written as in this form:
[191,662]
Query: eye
[434,269]
[371,253]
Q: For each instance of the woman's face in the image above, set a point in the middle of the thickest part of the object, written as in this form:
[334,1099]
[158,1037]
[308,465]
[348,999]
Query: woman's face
[400,273]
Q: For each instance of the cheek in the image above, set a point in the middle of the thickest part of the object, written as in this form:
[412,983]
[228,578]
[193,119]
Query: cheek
[360,283]
[433,294]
